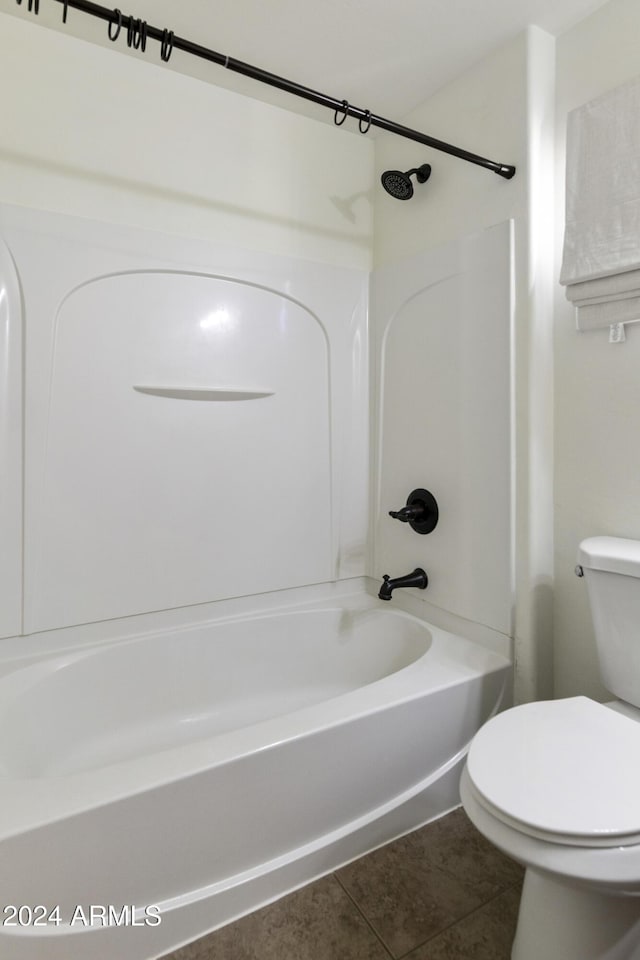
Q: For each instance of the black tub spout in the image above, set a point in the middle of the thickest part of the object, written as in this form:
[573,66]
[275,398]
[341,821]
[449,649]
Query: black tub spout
[417,578]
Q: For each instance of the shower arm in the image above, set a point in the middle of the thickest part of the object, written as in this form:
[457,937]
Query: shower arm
[340,107]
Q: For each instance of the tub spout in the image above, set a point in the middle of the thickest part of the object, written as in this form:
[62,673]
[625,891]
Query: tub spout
[417,578]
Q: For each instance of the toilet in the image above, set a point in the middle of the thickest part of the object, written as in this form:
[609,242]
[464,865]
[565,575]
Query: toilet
[556,786]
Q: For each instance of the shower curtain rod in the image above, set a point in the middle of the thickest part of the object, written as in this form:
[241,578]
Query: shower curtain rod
[138,31]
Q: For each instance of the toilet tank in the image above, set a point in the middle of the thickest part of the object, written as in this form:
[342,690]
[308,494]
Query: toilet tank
[611,568]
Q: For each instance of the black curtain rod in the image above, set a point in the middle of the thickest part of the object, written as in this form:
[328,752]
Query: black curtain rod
[138,30]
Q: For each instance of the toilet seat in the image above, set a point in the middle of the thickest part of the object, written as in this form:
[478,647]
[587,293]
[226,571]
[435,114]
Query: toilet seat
[565,771]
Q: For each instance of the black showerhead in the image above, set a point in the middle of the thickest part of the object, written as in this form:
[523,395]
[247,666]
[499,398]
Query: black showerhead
[399,184]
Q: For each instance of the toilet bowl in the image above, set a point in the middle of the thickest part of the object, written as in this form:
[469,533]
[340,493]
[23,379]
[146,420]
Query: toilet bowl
[556,786]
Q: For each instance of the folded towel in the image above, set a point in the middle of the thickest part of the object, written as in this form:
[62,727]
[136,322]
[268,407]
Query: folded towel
[616,287]
[591,316]
[601,261]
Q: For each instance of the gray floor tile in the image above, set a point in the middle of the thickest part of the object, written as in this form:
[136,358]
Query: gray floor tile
[453,844]
[486,934]
[425,895]
[318,922]
[405,898]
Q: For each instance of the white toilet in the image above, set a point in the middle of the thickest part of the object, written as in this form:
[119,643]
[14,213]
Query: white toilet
[556,786]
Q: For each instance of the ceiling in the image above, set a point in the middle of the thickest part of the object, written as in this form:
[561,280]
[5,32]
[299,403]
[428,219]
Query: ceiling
[380,56]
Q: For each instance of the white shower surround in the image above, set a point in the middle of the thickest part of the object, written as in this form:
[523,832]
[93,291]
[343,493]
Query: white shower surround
[138,501]
[197,422]
[442,345]
[139,348]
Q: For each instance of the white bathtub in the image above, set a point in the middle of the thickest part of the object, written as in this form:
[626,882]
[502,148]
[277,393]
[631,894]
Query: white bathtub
[196,776]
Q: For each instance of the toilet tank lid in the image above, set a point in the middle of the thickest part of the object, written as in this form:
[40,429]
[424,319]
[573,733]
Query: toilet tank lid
[611,554]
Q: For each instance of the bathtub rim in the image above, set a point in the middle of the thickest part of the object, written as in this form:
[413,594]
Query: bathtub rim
[449,661]
[22,649]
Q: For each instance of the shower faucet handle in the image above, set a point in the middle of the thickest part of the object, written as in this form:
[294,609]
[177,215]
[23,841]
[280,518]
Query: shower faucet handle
[413,511]
[420,511]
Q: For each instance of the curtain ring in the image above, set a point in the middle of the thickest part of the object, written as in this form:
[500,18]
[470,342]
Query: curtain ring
[132,33]
[117,23]
[367,115]
[137,34]
[345,108]
[166,45]
[34,5]
[65,9]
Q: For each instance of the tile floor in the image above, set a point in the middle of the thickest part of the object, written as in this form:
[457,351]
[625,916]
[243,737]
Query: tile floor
[441,893]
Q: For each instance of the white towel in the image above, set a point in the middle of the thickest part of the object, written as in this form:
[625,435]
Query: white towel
[601,262]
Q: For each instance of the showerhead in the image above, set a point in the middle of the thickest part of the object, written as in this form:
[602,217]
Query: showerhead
[399,184]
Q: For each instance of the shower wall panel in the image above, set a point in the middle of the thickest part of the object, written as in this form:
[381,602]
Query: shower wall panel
[442,323]
[193,431]
[10,446]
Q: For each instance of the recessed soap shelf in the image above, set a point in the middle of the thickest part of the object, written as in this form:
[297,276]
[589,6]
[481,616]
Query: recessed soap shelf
[202,393]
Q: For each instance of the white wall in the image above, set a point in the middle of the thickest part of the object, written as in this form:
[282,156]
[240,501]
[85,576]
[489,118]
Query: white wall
[483,111]
[501,109]
[95,133]
[597,452]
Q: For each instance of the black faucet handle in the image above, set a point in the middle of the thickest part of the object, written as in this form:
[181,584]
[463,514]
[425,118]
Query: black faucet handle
[420,512]
[412,511]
